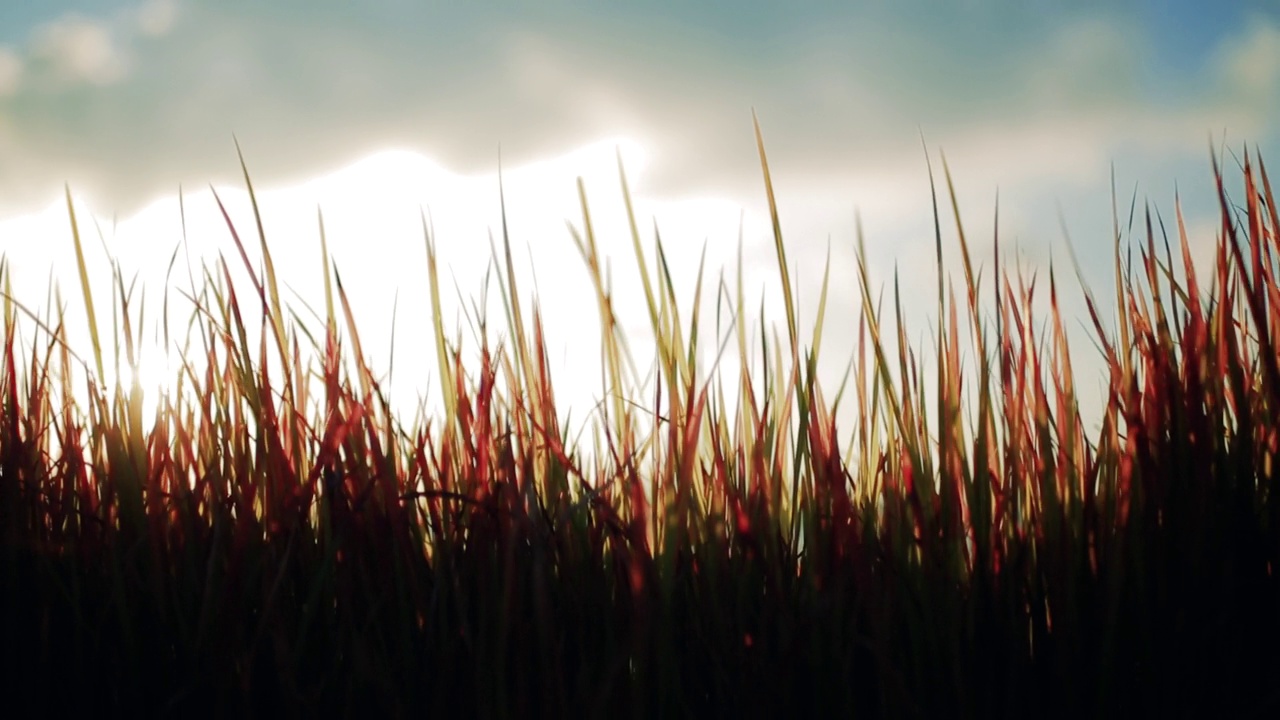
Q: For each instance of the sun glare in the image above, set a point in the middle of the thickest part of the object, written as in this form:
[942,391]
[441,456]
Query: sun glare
[157,374]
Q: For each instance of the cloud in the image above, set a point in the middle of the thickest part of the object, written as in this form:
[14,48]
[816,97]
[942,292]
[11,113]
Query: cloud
[156,17]
[78,49]
[838,99]
[1251,66]
[75,49]
[1087,62]
[10,71]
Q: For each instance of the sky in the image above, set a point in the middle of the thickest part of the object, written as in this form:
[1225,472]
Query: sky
[377,112]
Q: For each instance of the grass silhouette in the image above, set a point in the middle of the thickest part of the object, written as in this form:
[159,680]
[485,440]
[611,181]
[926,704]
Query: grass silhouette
[281,542]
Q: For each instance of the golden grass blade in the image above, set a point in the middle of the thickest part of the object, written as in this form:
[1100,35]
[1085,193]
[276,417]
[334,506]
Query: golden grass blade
[84,287]
[277,316]
[783,268]
[447,380]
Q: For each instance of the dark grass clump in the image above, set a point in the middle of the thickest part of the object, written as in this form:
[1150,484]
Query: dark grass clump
[278,541]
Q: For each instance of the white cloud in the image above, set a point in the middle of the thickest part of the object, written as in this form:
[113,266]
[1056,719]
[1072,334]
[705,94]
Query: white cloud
[1085,62]
[156,17]
[1252,66]
[80,50]
[10,71]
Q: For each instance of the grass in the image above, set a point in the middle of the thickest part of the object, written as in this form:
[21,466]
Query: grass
[277,540]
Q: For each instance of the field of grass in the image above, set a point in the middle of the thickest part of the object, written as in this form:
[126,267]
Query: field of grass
[277,540]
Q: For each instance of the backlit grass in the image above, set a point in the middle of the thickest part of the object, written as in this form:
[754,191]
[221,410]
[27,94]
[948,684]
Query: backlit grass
[278,540]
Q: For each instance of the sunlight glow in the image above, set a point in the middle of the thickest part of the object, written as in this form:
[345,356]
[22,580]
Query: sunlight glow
[374,212]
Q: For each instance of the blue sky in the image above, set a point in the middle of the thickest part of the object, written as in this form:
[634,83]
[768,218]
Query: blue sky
[126,101]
